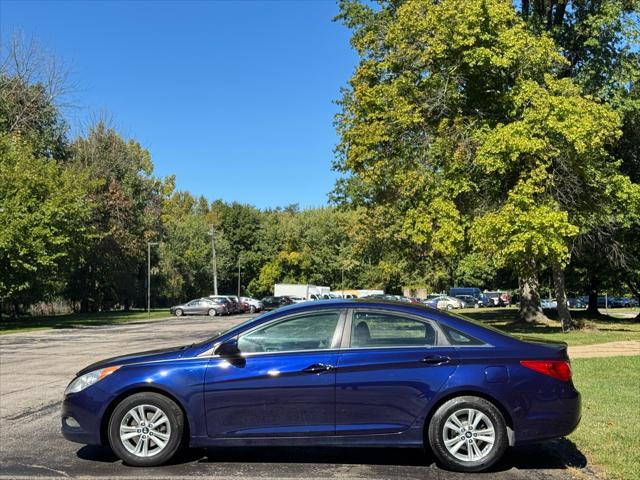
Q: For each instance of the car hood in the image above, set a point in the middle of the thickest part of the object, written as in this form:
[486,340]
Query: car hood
[147,356]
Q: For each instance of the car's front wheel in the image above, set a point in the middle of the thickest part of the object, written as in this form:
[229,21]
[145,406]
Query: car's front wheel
[179,312]
[146,429]
[212,312]
[468,434]
[252,309]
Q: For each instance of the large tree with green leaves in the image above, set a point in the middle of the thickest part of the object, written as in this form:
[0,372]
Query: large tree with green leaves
[457,125]
[126,215]
[44,222]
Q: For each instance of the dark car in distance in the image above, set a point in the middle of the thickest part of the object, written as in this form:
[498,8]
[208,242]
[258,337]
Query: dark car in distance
[271,303]
[331,373]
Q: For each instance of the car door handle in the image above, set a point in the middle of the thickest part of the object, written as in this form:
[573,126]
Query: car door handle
[317,368]
[435,360]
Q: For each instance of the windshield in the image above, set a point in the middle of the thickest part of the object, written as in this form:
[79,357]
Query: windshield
[235,327]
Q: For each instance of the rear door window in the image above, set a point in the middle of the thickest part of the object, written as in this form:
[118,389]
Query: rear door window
[381,329]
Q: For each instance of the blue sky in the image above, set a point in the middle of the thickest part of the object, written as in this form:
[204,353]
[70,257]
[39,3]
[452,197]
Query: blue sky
[235,98]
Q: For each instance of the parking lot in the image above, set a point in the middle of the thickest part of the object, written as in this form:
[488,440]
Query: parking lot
[36,367]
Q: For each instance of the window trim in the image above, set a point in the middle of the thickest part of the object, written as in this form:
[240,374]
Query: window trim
[335,341]
[345,345]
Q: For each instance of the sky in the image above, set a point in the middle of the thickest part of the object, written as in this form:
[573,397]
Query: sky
[236,98]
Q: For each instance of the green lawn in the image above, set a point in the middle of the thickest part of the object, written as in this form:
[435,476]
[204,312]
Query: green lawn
[599,329]
[24,324]
[608,433]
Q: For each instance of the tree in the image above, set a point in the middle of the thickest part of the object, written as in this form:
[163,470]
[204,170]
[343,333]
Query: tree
[599,40]
[126,215]
[439,85]
[44,222]
[33,85]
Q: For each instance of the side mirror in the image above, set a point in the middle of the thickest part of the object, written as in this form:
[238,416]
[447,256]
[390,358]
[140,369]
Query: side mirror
[228,348]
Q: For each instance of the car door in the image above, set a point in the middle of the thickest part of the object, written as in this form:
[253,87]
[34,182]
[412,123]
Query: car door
[389,369]
[281,384]
[191,307]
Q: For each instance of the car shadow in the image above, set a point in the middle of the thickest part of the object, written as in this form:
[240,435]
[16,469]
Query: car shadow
[553,455]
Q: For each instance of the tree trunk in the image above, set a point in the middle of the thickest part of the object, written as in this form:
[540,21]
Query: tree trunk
[530,309]
[561,298]
[593,297]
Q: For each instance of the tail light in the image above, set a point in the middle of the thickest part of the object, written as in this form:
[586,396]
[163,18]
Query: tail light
[558,369]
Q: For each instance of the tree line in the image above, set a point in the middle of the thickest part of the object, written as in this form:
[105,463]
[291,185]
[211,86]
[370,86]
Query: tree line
[481,143]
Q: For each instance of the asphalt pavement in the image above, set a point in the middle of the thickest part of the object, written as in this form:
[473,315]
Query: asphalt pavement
[36,367]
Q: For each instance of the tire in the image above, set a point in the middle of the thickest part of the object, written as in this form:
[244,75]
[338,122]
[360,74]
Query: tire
[487,454]
[179,312]
[173,428]
[449,306]
[252,309]
[212,312]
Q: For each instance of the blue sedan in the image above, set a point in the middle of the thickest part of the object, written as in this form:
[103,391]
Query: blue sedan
[338,372]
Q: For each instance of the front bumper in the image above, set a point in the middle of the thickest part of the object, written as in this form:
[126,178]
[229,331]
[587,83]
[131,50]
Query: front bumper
[82,414]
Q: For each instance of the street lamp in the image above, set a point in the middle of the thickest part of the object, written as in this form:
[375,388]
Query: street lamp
[214,266]
[149,245]
[239,256]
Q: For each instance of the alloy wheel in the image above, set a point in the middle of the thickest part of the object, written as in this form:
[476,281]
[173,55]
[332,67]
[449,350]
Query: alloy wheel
[469,435]
[145,430]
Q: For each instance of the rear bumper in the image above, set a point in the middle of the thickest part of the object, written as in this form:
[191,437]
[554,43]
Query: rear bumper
[558,419]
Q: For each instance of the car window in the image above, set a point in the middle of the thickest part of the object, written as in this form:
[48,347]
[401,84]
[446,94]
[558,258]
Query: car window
[456,337]
[192,303]
[306,332]
[374,329]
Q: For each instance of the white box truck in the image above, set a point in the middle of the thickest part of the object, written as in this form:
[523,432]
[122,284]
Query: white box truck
[298,290]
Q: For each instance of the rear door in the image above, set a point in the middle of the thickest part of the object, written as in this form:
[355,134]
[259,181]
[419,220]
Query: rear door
[390,367]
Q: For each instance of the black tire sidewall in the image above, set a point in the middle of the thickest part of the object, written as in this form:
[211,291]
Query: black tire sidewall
[168,406]
[435,435]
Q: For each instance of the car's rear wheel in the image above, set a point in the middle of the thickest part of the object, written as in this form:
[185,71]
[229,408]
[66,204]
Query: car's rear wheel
[146,429]
[468,434]
[212,312]
[179,312]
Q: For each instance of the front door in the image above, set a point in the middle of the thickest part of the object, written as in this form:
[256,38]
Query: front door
[283,382]
[388,373]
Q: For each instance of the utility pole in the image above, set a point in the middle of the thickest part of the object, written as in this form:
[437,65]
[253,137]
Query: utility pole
[213,260]
[149,245]
[239,275]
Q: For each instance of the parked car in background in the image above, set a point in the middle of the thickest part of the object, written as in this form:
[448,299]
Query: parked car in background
[576,303]
[253,304]
[297,299]
[469,301]
[498,298]
[482,299]
[339,373]
[198,306]
[271,303]
[444,302]
[234,303]
[548,303]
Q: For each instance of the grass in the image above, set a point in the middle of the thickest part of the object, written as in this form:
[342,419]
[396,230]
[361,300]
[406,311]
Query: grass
[25,324]
[599,328]
[608,432]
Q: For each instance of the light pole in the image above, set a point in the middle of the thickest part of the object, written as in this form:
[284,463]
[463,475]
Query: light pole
[214,267]
[239,256]
[149,245]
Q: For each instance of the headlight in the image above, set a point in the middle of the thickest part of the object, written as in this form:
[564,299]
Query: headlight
[88,379]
